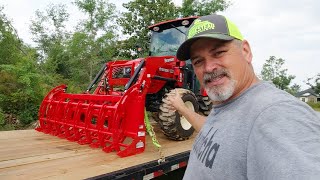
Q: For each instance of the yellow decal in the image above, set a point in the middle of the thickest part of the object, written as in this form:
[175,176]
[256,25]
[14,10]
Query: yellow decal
[199,26]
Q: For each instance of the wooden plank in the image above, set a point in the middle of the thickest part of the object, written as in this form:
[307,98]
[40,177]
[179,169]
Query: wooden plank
[23,134]
[12,151]
[33,155]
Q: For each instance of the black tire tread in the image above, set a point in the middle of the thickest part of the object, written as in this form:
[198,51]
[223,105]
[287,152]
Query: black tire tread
[167,117]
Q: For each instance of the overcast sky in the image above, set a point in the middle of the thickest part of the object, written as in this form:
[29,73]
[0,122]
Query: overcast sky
[288,29]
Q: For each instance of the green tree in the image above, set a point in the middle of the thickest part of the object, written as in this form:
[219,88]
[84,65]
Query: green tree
[10,43]
[21,83]
[94,41]
[202,8]
[49,33]
[25,91]
[314,83]
[294,89]
[141,14]
[272,70]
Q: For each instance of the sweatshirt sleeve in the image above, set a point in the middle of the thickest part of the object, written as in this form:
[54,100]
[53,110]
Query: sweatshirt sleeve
[284,143]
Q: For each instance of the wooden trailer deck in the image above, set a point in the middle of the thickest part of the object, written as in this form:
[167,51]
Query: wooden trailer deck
[28,154]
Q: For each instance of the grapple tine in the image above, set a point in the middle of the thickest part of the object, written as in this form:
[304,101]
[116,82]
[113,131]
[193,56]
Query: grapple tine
[97,120]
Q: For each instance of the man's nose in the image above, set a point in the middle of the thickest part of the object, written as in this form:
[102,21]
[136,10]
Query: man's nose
[210,65]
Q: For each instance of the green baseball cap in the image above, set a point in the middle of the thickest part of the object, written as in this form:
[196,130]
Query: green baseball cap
[211,26]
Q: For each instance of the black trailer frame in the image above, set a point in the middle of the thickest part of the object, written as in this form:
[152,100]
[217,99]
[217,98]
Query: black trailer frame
[148,170]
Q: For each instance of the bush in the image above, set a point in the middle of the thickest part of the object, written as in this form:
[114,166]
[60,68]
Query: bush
[2,118]
[28,115]
[7,127]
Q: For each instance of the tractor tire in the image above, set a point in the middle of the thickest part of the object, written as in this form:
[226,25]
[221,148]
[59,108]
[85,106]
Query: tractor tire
[208,106]
[155,116]
[174,125]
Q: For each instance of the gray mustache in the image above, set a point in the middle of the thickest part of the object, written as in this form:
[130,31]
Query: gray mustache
[209,76]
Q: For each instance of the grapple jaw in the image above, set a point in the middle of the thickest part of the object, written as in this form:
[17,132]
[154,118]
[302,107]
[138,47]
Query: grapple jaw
[110,122]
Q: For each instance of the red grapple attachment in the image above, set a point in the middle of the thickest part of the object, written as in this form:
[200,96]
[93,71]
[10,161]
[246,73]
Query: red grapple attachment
[112,122]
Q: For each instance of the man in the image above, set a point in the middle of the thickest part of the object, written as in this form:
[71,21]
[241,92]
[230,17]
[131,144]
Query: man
[255,131]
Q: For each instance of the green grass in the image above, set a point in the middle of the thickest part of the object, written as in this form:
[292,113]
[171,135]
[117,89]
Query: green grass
[7,127]
[317,109]
[315,106]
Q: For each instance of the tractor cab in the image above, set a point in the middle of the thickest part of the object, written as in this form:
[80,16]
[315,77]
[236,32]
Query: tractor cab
[167,36]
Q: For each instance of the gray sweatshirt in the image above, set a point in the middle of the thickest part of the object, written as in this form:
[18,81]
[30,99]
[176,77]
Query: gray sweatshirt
[265,133]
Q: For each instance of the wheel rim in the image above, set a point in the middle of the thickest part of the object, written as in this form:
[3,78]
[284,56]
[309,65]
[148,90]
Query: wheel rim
[183,121]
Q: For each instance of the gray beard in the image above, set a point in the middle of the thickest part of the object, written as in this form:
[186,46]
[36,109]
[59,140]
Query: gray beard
[221,93]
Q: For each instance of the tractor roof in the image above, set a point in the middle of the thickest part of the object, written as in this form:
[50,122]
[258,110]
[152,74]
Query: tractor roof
[176,22]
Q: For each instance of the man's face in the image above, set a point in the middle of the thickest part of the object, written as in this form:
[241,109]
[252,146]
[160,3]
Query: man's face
[221,66]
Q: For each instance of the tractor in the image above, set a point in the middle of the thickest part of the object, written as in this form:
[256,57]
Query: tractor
[110,113]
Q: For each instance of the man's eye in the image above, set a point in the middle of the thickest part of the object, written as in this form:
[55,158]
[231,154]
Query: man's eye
[219,53]
[196,62]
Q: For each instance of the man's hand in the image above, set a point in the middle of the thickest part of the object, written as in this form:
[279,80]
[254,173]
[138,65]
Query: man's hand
[176,102]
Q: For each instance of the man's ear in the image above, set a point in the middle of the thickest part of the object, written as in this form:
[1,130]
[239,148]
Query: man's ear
[246,51]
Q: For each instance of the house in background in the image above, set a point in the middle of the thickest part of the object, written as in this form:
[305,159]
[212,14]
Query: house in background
[308,95]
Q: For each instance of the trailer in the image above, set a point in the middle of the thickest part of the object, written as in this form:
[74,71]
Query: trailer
[28,154]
